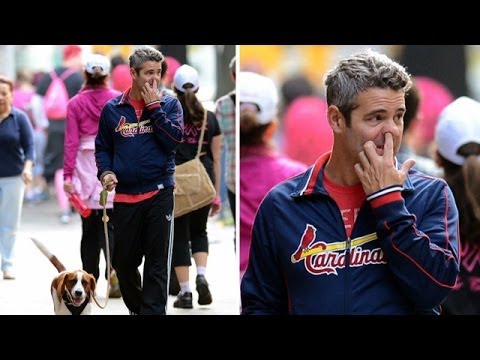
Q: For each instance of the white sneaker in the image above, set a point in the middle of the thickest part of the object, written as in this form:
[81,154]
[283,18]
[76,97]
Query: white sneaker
[8,275]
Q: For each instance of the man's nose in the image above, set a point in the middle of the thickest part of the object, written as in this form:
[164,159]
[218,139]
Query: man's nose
[391,127]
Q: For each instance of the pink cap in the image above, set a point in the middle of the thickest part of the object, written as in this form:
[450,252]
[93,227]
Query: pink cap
[172,64]
[70,51]
[307,134]
[121,79]
[434,98]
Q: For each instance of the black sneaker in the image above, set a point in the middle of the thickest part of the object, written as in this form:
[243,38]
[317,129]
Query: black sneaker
[184,301]
[204,296]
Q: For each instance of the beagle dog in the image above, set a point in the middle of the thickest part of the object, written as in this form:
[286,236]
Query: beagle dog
[72,291]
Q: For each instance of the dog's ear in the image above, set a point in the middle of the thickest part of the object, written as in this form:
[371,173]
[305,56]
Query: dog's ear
[59,284]
[93,283]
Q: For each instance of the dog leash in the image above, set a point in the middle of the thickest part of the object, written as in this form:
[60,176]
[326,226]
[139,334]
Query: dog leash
[105,219]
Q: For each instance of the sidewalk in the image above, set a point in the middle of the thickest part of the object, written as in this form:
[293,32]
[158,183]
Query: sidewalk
[29,293]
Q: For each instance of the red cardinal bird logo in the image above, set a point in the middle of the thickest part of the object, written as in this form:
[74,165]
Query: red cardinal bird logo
[308,238]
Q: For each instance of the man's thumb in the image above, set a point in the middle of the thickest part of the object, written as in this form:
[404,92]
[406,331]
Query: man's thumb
[407,165]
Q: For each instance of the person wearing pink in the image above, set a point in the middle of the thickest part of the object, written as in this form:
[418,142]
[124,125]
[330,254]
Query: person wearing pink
[435,97]
[306,130]
[172,67]
[261,167]
[79,168]
[121,79]
[26,99]
[70,72]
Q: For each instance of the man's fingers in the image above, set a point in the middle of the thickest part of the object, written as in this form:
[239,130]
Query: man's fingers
[407,165]
[109,182]
[364,162]
[359,169]
[370,151]
[110,186]
[388,146]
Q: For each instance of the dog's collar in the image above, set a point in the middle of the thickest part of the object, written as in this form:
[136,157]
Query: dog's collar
[75,310]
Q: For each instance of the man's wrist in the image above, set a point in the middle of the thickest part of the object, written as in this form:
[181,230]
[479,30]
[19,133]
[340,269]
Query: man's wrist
[105,173]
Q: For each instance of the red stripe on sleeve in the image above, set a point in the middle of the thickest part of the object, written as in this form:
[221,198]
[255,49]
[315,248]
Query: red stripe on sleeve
[385,199]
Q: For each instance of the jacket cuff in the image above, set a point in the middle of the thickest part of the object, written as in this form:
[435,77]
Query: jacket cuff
[385,196]
[153,104]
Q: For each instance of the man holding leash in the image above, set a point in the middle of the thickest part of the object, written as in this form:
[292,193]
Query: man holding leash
[135,148]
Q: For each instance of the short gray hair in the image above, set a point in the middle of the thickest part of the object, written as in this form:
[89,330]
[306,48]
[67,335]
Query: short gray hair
[360,72]
[143,54]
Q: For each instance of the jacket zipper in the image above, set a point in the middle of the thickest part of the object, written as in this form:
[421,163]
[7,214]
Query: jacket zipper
[348,250]
[349,244]
[348,296]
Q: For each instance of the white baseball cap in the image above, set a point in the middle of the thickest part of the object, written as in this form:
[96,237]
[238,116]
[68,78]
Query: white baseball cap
[96,60]
[185,74]
[259,90]
[458,124]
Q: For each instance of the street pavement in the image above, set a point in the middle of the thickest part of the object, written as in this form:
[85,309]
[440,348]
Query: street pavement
[29,293]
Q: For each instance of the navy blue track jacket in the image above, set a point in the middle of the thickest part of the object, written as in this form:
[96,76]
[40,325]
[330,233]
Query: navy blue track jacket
[141,153]
[402,256]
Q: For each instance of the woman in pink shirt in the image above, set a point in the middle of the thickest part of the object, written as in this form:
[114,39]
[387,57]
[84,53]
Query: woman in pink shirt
[79,168]
[261,167]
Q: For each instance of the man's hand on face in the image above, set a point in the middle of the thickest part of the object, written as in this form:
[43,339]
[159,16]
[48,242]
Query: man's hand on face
[150,92]
[377,172]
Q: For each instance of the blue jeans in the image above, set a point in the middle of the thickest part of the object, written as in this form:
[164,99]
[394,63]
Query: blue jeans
[11,200]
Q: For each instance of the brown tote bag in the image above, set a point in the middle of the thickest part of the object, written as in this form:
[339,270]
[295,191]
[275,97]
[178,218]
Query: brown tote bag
[193,186]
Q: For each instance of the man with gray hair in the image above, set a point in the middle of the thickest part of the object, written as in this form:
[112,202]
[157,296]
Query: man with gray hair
[358,232]
[135,148]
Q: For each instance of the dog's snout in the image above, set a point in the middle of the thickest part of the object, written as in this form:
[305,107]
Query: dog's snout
[78,293]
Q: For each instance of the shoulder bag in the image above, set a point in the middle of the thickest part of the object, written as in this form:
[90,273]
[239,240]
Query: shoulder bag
[193,186]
